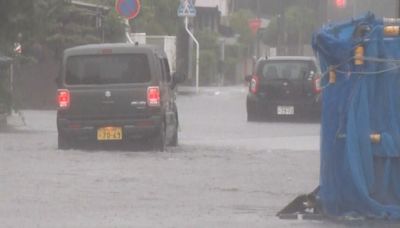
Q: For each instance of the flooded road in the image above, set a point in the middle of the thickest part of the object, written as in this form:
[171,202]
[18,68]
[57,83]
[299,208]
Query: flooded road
[225,172]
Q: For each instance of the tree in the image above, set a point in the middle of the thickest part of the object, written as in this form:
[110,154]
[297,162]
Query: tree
[239,21]
[114,29]
[300,25]
[113,26]
[15,18]
[270,35]
[58,24]
[208,56]
[297,27]
[161,14]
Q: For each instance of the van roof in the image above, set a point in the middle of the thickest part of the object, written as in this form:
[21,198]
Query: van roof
[119,48]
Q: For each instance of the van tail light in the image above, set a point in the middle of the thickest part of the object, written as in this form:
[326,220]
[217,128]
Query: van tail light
[317,84]
[254,84]
[63,98]
[153,96]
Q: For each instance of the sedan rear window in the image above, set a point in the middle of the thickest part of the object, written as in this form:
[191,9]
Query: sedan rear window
[107,69]
[286,69]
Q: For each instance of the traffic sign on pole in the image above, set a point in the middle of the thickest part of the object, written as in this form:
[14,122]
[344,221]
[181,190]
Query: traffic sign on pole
[17,48]
[186,9]
[128,9]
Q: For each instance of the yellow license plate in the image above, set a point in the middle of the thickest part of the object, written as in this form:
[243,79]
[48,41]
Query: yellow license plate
[109,133]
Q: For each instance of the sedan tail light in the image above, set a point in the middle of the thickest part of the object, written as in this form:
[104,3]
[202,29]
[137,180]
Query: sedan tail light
[153,96]
[254,84]
[63,98]
[317,84]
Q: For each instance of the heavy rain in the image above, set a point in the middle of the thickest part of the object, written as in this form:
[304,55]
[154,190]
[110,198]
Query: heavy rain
[194,113]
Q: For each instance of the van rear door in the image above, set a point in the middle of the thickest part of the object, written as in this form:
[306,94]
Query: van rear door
[107,86]
[284,79]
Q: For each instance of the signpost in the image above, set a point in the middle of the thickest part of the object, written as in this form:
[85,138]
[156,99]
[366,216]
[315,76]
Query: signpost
[186,9]
[17,48]
[128,9]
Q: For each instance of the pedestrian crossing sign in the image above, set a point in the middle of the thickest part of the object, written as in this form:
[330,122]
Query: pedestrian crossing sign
[186,9]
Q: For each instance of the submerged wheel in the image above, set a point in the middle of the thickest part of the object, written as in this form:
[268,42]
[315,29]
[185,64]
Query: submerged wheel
[3,123]
[174,141]
[159,141]
[252,114]
[63,142]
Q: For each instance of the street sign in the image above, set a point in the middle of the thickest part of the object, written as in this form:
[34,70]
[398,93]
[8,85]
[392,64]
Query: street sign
[255,25]
[186,9]
[17,48]
[128,9]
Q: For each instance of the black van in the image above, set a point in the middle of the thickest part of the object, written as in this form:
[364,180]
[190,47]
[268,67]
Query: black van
[117,92]
[286,87]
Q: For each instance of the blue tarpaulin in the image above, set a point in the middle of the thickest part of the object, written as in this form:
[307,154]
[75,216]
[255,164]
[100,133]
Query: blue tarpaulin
[360,128]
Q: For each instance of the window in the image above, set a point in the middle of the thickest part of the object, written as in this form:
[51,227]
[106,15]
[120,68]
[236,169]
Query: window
[107,69]
[286,69]
[165,70]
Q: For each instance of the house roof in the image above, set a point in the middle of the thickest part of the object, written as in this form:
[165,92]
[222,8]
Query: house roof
[4,59]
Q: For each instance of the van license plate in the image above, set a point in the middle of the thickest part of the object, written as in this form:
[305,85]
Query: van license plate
[285,110]
[109,133]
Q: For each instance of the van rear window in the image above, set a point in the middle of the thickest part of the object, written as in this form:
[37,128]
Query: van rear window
[286,69]
[107,69]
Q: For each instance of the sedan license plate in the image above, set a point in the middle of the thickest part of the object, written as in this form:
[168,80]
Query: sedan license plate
[285,110]
[109,133]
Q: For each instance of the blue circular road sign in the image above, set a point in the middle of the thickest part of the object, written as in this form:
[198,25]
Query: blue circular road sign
[128,8]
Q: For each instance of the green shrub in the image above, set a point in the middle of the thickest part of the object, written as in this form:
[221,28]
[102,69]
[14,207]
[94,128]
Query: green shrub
[208,67]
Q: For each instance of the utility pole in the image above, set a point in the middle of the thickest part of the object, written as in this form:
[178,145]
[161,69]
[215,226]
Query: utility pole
[354,8]
[197,51]
[397,7]
[186,9]
[257,33]
[281,25]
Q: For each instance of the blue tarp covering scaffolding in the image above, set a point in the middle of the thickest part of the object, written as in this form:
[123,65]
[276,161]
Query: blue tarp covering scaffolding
[360,134]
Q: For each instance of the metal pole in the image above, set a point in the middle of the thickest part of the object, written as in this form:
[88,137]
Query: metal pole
[12,79]
[128,31]
[222,63]
[197,51]
[258,30]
